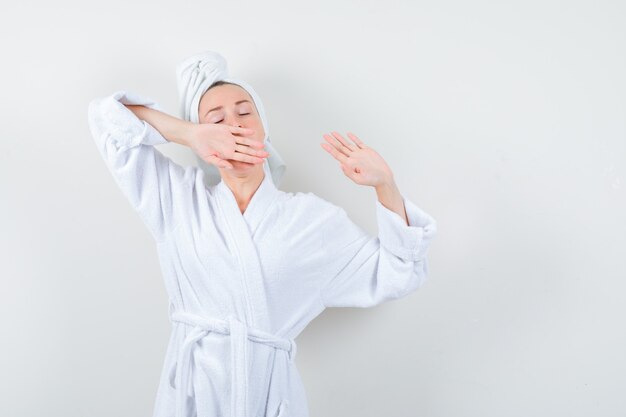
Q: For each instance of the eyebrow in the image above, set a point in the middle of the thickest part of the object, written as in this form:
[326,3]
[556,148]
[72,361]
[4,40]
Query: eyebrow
[219,107]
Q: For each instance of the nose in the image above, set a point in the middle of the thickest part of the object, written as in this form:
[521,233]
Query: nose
[238,125]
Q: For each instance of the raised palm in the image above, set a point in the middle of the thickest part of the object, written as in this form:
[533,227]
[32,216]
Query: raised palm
[359,162]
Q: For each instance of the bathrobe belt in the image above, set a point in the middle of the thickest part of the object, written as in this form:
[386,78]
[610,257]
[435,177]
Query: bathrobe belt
[180,374]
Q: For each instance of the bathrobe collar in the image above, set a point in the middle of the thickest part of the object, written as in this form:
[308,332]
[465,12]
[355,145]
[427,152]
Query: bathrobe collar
[261,200]
[242,228]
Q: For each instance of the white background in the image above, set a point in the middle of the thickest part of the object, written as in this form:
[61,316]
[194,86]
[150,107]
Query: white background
[503,120]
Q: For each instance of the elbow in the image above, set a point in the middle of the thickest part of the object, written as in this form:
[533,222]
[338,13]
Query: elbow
[94,118]
[92,111]
[96,111]
[103,109]
[417,278]
[421,272]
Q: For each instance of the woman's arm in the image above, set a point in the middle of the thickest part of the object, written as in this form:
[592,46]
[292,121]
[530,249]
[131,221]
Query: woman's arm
[154,185]
[171,128]
[214,143]
[389,196]
[363,270]
[126,127]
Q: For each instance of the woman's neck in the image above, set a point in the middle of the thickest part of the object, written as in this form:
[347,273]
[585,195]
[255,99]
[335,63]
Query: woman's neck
[244,187]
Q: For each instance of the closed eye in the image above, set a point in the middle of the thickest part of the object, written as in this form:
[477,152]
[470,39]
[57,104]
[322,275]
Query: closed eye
[242,114]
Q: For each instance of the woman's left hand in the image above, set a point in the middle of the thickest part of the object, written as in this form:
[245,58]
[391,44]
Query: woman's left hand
[359,162]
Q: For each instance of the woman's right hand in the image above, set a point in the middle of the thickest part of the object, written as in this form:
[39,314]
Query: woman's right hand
[215,143]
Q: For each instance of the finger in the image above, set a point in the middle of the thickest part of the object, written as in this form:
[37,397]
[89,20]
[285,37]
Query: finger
[249,142]
[242,130]
[222,163]
[238,156]
[337,145]
[215,153]
[356,140]
[335,153]
[262,153]
[344,142]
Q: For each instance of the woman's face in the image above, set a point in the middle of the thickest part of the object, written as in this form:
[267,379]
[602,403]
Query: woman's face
[231,105]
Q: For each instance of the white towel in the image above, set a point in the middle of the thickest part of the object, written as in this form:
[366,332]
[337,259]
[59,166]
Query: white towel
[195,75]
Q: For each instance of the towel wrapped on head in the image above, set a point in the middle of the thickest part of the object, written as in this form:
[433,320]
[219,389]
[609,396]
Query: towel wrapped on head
[194,76]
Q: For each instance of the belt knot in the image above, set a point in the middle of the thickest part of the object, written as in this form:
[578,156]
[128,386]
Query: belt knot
[180,374]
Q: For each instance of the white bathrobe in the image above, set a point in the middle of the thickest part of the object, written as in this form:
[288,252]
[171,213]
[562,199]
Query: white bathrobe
[241,287]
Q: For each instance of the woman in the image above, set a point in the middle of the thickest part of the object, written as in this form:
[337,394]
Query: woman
[246,265]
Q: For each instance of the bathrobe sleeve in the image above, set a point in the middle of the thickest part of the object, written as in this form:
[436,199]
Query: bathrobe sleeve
[364,271]
[149,180]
